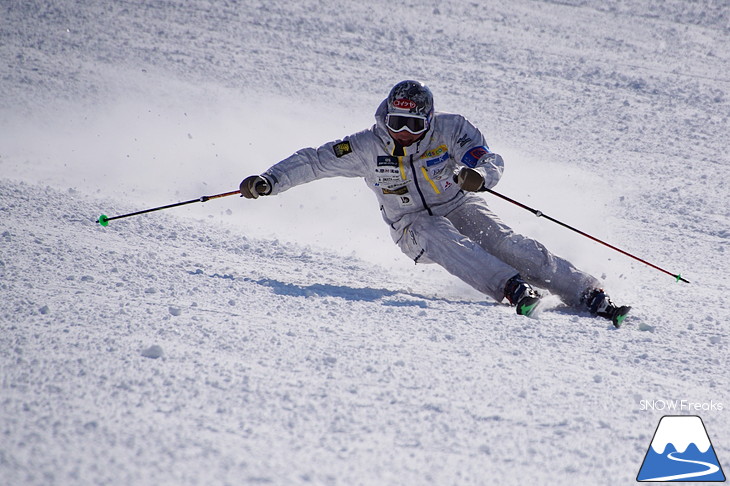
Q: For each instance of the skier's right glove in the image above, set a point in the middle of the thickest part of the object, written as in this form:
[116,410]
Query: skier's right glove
[254,186]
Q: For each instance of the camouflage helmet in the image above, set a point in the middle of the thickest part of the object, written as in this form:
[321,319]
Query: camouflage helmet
[411,97]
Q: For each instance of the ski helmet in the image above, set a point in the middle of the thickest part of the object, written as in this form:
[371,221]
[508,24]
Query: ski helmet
[411,97]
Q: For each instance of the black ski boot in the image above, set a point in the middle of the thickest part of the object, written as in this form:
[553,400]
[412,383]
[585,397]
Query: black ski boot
[599,304]
[521,295]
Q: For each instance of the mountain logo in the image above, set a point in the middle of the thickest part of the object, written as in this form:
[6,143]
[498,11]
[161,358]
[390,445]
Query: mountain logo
[681,451]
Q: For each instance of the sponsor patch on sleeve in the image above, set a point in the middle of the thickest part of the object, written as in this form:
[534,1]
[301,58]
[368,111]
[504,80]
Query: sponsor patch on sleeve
[471,158]
[464,140]
[341,149]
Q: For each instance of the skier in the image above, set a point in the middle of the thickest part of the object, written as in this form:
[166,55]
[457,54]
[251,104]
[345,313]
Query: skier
[425,168]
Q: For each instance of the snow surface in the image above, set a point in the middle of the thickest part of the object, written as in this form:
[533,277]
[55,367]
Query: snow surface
[286,340]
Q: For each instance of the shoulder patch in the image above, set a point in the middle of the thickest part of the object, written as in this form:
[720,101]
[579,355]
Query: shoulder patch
[472,156]
[341,149]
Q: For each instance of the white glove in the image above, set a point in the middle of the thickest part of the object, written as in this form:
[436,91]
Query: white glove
[470,179]
[254,186]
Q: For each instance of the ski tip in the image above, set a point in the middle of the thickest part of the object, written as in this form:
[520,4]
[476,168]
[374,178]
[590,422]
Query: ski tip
[620,315]
[529,307]
[103,220]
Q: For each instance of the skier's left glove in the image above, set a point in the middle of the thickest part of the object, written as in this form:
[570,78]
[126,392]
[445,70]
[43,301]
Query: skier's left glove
[254,186]
[470,179]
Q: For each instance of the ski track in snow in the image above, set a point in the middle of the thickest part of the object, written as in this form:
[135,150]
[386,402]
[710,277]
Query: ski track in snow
[286,340]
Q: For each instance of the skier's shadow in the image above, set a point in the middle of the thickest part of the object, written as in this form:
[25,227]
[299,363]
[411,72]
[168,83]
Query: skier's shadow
[396,298]
[365,294]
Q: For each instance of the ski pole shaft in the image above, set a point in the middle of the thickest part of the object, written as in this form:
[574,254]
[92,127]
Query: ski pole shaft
[104,219]
[540,214]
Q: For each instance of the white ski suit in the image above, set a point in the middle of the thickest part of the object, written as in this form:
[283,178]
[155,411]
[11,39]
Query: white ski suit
[430,217]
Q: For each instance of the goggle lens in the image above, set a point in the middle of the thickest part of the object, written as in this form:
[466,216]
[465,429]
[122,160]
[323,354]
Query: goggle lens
[411,123]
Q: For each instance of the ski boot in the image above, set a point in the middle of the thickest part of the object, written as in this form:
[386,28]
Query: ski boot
[599,304]
[521,295]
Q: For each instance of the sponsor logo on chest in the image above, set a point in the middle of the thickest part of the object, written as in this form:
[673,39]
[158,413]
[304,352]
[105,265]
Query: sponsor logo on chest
[436,156]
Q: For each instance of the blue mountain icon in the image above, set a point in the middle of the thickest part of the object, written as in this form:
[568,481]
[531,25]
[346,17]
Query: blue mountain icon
[681,451]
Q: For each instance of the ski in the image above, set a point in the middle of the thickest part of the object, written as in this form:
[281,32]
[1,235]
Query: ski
[528,306]
[619,315]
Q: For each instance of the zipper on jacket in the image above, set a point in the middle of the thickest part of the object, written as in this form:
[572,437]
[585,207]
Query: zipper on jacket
[418,187]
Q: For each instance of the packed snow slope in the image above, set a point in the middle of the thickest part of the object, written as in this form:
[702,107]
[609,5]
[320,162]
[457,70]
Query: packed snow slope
[286,340]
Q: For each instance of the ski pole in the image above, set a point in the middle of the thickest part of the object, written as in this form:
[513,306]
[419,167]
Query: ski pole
[540,214]
[104,219]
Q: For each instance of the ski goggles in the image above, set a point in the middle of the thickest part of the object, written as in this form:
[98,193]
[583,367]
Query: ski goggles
[415,124]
